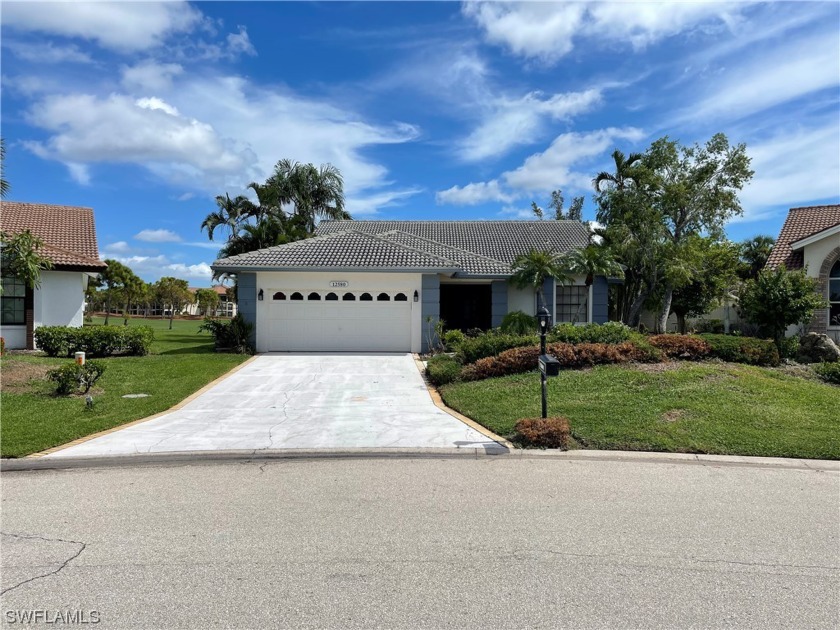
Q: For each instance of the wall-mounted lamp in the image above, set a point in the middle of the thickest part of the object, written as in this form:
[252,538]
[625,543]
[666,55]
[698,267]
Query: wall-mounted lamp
[416,296]
[260,295]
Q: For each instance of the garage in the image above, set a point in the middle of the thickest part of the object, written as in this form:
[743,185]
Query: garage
[340,320]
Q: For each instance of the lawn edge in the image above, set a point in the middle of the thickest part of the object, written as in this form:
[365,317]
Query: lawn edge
[120,427]
[438,402]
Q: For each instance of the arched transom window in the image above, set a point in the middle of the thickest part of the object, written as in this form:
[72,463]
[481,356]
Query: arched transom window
[834,295]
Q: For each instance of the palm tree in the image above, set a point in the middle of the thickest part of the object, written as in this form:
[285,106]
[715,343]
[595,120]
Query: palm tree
[534,268]
[4,183]
[590,261]
[623,171]
[754,254]
[315,193]
[230,214]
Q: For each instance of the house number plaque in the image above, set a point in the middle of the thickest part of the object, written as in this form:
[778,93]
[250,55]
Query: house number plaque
[339,284]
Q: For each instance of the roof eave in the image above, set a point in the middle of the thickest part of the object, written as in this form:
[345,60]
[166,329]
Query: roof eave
[817,236]
[258,268]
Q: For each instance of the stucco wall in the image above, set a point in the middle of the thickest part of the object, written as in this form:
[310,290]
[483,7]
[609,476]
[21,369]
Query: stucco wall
[14,336]
[521,300]
[819,258]
[60,300]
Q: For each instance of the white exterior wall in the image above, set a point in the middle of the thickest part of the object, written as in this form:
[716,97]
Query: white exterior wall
[521,300]
[14,336]
[814,255]
[289,282]
[60,300]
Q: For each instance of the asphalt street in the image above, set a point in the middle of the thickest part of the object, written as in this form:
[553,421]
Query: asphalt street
[497,542]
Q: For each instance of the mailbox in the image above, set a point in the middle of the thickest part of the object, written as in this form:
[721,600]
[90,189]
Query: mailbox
[549,365]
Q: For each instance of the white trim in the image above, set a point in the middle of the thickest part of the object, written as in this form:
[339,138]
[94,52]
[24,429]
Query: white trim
[809,240]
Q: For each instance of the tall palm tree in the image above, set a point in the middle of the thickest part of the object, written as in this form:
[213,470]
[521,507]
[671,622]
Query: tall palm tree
[315,193]
[534,268]
[623,171]
[230,214]
[4,183]
[754,254]
[590,261]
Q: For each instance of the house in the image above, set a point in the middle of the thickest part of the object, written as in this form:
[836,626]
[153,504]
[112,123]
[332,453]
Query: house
[69,237]
[810,240]
[381,285]
[225,308]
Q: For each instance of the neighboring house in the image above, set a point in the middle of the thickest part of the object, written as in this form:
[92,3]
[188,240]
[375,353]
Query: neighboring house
[225,308]
[810,240]
[69,237]
[381,285]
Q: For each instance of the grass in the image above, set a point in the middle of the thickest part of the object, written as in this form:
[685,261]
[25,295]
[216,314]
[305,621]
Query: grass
[182,361]
[692,408]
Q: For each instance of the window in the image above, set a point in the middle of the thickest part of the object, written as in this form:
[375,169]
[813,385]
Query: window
[572,304]
[314,296]
[279,296]
[12,302]
[383,297]
[331,297]
[296,296]
[400,297]
[349,297]
[834,295]
[366,297]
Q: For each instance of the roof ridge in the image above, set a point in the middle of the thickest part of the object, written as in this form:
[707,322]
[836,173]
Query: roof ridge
[457,249]
[48,205]
[817,207]
[378,237]
[481,221]
[319,237]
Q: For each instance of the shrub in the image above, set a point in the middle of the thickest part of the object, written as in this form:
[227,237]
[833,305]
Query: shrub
[490,344]
[231,335]
[95,341]
[519,323]
[442,369]
[714,326]
[2,346]
[543,432]
[788,347]
[72,377]
[687,347]
[829,372]
[743,349]
[452,340]
[610,332]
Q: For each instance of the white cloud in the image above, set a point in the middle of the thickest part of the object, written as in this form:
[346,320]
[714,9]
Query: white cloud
[120,247]
[372,202]
[152,268]
[240,43]
[473,194]
[546,31]
[121,26]
[518,121]
[185,197]
[48,52]
[158,236]
[150,76]
[79,172]
[512,212]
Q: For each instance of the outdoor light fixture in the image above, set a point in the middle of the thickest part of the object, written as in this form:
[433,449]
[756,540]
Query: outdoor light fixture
[260,295]
[416,296]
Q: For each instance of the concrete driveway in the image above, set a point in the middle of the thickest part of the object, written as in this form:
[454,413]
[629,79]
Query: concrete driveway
[300,401]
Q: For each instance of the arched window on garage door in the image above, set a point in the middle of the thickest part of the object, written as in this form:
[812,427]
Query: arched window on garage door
[400,297]
[296,296]
[279,296]
[383,297]
[349,297]
[330,297]
[314,296]
[366,297]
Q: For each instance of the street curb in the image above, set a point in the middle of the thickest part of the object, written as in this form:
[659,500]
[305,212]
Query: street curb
[199,457]
[176,407]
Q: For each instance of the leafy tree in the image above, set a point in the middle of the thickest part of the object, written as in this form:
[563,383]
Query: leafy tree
[590,261]
[777,299]
[173,293]
[113,278]
[575,212]
[538,212]
[132,291]
[754,254]
[21,257]
[4,183]
[534,268]
[207,300]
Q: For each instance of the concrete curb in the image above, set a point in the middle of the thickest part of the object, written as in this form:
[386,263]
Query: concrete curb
[200,457]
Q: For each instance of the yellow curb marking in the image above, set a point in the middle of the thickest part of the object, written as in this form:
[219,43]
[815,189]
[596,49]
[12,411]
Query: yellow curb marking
[438,401]
[120,427]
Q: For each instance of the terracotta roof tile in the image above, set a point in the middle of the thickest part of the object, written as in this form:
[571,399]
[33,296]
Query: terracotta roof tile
[68,232]
[801,223]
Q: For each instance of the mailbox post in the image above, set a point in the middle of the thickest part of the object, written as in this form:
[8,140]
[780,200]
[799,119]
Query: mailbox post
[549,365]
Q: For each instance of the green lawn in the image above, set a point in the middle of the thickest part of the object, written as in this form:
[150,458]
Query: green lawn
[33,419]
[695,408]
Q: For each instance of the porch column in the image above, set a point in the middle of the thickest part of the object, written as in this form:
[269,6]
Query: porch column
[498,302]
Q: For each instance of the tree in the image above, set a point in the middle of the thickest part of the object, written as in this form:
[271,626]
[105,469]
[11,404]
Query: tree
[534,268]
[754,254]
[575,212]
[207,300]
[174,293]
[624,172]
[314,193]
[132,292]
[230,214]
[4,183]
[113,278]
[21,257]
[538,212]
[777,299]
[590,261]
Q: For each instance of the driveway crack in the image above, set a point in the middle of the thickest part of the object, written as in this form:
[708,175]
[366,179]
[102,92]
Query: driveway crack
[82,547]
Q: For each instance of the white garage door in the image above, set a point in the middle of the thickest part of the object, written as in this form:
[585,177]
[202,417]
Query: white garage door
[340,320]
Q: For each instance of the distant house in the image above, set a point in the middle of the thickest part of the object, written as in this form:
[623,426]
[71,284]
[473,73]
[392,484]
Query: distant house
[225,308]
[69,237]
[810,240]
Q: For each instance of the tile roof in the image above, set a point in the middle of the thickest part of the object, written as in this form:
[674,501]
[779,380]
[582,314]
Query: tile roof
[499,240]
[348,249]
[801,223]
[68,232]
[470,264]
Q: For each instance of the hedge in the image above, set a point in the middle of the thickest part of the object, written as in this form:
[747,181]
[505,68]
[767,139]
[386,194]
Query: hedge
[610,332]
[743,349]
[94,341]
[442,369]
[491,343]
[686,347]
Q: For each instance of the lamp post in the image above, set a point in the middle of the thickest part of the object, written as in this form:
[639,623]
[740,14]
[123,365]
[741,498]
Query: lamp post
[544,319]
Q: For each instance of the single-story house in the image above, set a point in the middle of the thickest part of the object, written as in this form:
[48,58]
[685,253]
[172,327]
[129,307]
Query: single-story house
[381,285]
[225,308]
[69,237]
[810,240]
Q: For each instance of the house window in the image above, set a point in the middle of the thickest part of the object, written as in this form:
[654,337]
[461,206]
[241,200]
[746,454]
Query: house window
[349,297]
[400,297]
[331,297]
[296,296]
[314,296]
[834,295]
[366,297]
[12,302]
[279,296]
[572,304]
[383,297]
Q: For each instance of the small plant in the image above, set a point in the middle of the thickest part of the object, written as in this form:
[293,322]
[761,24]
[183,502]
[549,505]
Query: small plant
[740,349]
[543,432]
[74,378]
[519,323]
[452,340]
[2,346]
[232,335]
[434,333]
[829,372]
[442,369]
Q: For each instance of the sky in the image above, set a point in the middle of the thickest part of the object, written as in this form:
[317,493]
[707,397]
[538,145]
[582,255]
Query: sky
[147,111]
